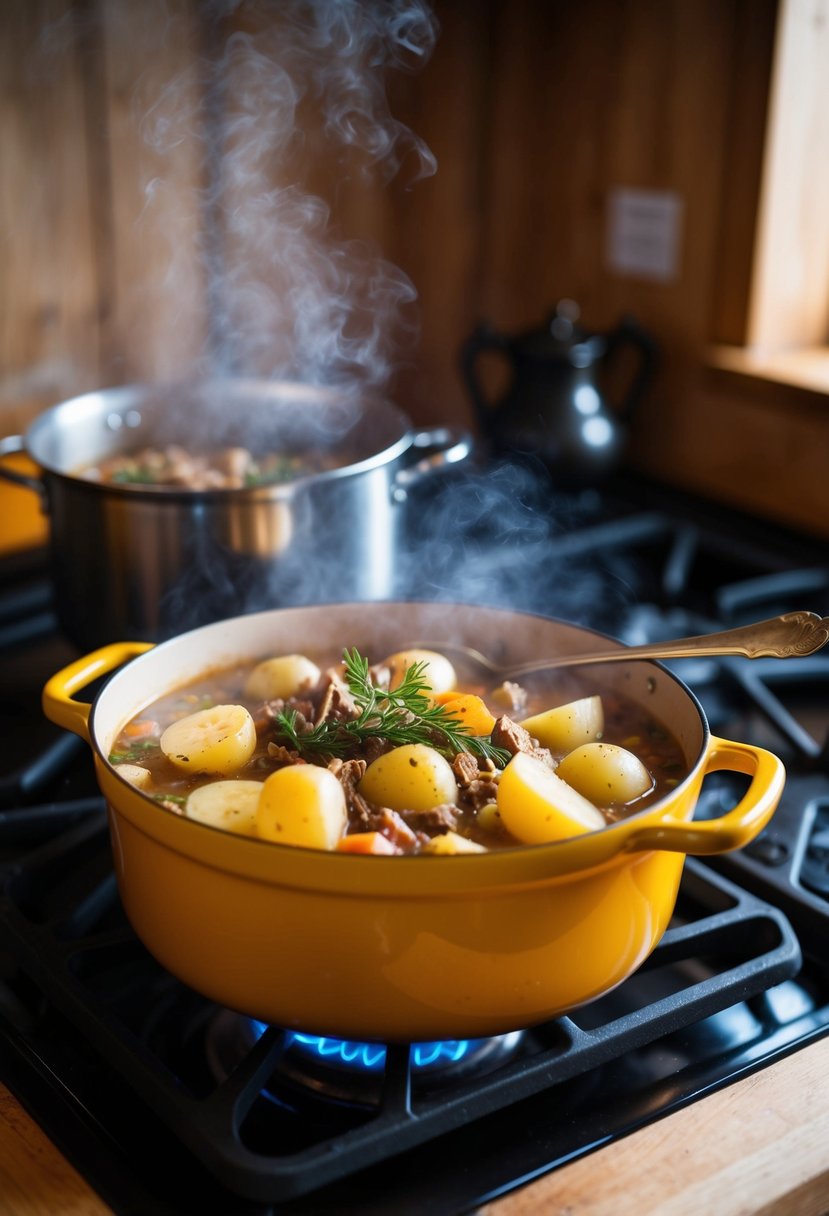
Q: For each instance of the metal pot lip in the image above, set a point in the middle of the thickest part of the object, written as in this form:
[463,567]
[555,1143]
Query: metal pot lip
[300,866]
[121,399]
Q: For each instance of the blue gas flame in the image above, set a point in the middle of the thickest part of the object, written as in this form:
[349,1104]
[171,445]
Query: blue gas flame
[371,1057]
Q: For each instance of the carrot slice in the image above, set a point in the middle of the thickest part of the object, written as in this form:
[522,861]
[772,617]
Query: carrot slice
[467,709]
[142,728]
[366,842]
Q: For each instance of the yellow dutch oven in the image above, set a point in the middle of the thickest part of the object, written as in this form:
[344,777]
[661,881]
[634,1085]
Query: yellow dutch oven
[401,948]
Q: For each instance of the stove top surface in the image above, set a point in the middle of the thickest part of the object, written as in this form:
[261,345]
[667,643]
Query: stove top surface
[167,1103]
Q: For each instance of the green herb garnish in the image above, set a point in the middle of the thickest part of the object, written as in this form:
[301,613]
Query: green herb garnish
[279,469]
[404,715]
[134,475]
[135,751]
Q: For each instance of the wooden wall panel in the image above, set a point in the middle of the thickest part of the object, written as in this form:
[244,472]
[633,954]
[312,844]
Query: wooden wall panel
[152,174]
[438,231]
[122,213]
[750,69]
[384,223]
[49,303]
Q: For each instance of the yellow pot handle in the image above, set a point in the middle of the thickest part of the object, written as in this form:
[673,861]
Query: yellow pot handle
[732,830]
[58,701]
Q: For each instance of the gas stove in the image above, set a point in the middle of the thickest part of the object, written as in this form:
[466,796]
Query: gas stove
[167,1103]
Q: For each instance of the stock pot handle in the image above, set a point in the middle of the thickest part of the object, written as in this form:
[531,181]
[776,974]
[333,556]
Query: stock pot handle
[58,701]
[730,831]
[12,445]
[437,448]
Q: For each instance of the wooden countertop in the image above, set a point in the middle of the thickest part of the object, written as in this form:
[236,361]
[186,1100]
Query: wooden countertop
[759,1147]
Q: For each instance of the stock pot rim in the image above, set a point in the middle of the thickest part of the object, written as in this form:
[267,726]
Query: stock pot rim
[122,396]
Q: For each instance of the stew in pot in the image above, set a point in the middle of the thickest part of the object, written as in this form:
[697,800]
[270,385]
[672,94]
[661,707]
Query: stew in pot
[229,468]
[399,757]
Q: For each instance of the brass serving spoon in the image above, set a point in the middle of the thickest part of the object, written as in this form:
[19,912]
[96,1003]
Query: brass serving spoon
[792,635]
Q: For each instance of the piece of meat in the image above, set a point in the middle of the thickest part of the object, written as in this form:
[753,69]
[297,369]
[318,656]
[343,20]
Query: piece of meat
[514,738]
[511,736]
[478,793]
[305,710]
[395,828]
[337,704]
[380,676]
[435,821]
[512,696]
[477,783]
[375,746]
[349,773]
[283,755]
[465,767]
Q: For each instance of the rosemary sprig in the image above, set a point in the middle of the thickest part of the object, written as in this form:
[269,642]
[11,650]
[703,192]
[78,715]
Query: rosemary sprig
[402,715]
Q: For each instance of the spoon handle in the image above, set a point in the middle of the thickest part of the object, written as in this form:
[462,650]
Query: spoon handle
[791,635]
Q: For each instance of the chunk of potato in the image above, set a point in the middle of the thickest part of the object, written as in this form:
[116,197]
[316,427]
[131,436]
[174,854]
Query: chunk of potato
[439,674]
[489,818]
[136,774]
[302,805]
[536,806]
[217,740]
[281,677]
[605,773]
[568,726]
[413,777]
[230,805]
[451,844]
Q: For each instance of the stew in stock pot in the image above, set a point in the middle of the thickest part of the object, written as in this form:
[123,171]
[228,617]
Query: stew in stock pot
[398,757]
[228,468]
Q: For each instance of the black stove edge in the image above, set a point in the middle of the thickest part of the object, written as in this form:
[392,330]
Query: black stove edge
[101,1163]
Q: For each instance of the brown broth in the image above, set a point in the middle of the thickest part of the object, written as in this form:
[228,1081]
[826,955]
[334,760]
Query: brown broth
[626,724]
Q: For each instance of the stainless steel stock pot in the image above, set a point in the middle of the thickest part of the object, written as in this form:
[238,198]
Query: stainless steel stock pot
[148,562]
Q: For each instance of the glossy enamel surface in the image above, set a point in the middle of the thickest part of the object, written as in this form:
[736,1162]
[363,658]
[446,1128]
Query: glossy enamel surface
[401,948]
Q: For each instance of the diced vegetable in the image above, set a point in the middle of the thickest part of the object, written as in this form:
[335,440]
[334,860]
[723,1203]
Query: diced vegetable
[467,709]
[226,804]
[489,818]
[536,806]
[439,674]
[302,805]
[366,842]
[281,677]
[413,777]
[451,844]
[567,726]
[216,740]
[605,773]
[140,777]
[142,728]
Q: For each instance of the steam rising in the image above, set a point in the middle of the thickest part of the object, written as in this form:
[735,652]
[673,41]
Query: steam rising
[490,537]
[290,296]
[278,86]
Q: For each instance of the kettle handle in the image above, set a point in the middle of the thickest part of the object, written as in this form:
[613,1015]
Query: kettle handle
[629,333]
[483,338]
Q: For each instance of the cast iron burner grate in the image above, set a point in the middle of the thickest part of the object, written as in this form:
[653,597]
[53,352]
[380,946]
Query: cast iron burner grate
[111,1054]
[78,959]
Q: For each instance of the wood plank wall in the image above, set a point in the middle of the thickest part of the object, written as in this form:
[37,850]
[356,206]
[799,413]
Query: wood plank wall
[120,208]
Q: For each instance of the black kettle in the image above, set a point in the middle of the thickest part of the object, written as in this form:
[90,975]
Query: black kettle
[555,408]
